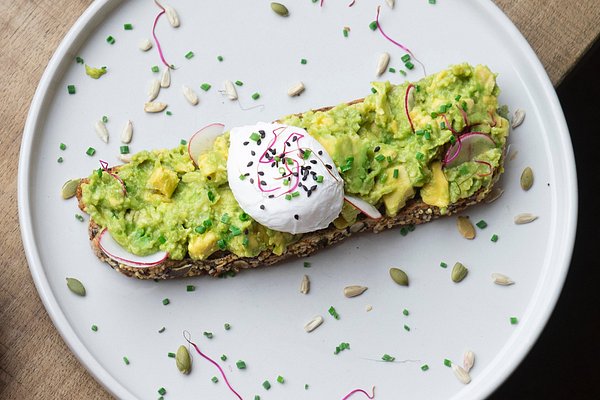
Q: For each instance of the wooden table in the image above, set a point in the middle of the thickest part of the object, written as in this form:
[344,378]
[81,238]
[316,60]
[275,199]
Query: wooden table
[35,363]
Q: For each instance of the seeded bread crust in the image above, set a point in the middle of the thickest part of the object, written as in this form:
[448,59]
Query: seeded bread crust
[415,212]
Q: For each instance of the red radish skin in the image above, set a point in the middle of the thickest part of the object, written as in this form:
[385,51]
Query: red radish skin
[408,88]
[490,168]
[113,250]
[160,52]
[362,206]
[203,140]
[465,143]
[372,396]
[104,166]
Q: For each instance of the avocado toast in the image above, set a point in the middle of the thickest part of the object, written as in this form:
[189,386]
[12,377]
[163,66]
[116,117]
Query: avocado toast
[414,152]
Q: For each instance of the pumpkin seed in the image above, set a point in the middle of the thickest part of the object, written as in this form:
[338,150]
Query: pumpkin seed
[190,95]
[399,276]
[145,45]
[518,118]
[296,89]
[69,189]
[525,218]
[382,63]
[127,132]
[459,272]
[313,323]
[153,89]
[527,178]
[280,9]
[172,16]
[465,227]
[101,131]
[503,280]
[468,360]
[391,3]
[76,286]
[165,79]
[183,360]
[154,107]
[305,285]
[230,90]
[461,374]
[354,290]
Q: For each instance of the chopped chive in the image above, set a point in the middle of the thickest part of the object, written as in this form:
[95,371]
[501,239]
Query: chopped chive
[424,367]
[124,149]
[244,217]
[343,346]
[404,231]
[227,327]
[256,397]
[320,179]
[333,312]
[288,196]
[447,362]
[481,224]
[95,328]
[200,229]
[409,65]
[169,113]
[373,25]
[190,288]
[208,335]
[405,58]
[443,125]
[171,355]
[380,157]
[222,244]
[457,98]
[126,360]
[110,40]
[59,160]
[207,223]
[166,301]
[189,55]
[280,379]
[245,241]
[392,70]
[373,90]
[239,83]
[345,32]
[162,391]
[128,27]
[155,68]
[90,151]
[220,58]
[407,328]
[242,177]
[405,312]
[255,136]
[452,139]
[211,196]
[79,60]
[225,218]
[223,357]
[62,146]
[266,385]
[306,386]
[464,106]
[514,320]
[388,358]
[255,96]
[443,265]
[403,72]
[71,89]
[427,135]
[183,142]
[235,231]
[214,379]
[433,114]
[306,264]
[420,156]
[241,364]
[205,86]
[104,119]
[161,330]
[303,61]
[296,194]
[162,239]
[494,238]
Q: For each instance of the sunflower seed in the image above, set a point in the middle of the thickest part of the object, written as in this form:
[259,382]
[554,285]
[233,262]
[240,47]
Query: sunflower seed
[230,90]
[518,118]
[145,45]
[153,89]
[305,285]
[183,360]
[190,95]
[280,9]
[399,276]
[154,107]
[172,16]
[296,89]
[468,360]
[313,324]
[76,286]
[354,290]
[382,63]
[527,178]
[465,227]
[69,189]
[368,308]
[127,132]
[391,3]
[459,272]
[101,131]
[494,195]
[126,158]
[165,79]
[461,374]
[500,279]
[525,218]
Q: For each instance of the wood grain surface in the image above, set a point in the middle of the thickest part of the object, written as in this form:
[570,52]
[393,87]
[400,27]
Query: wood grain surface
[35,363]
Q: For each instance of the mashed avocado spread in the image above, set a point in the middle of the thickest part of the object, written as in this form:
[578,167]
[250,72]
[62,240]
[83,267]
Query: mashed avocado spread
[173,206]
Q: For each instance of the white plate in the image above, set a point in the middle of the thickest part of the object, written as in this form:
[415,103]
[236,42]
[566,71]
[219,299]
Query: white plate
[264,307]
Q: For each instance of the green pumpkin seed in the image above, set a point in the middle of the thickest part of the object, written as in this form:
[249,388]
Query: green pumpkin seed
[183,360]
[399,276]
[527,178]
[459,272]
[69,189]
[76,286]
[465,228]
[280,9]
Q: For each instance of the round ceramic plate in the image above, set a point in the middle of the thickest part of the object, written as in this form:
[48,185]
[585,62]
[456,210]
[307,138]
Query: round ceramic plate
[264,308]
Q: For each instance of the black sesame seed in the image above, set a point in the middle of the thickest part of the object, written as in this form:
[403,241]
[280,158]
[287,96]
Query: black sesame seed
[253,152]
[258,142]
[250,164]
[261,173]
[308,193]
[296,217]
[273,150]
[246,231]
[313,161]
[271,196]
[287,144]
[247,174]
[376,149]
[262,206]
[263,183]
[246,143]
[262,134]
[273,164]
[328,166]
[295,173]
[320,152]
[312,189]
[251,180]
[294,138]
[209,178]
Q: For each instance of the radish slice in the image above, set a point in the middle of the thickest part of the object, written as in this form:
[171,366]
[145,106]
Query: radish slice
[203,140]
[467,147]
[118,253]
[363,206]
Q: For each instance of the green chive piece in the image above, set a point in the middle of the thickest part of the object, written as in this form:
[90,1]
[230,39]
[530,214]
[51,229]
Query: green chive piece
[128,27]
[71,89]
[62,146]
[320,179]
[373,90]
[392,70]
[443,265]
[224,357]
[256,397]
[388,358]
[162,239]
[241,364]
[403,72]
[110,40]
[124,149]
[225,218]
[345,32]
[303,61]
[296,194]
[407,328]
[288,196]
[380,157]
[404,231]
[481,224]
[155,68]
[220,58]
[494,238]
[214,379]
[447,362]
[95,328]
[189,55]
[169,113]
[432,2]
[333,312]
[59,160]
[255,136]
[208,335]
[266,385]
[183,142]
[239,83]
[79,60]
[205,86]
[162,391]
[405,58]
[409,65]
[222,244]
[207,223]
[166,301]
[306,264]
[171,355]
[211,196]
[200,229]
[514,320]
[424,367]
[126,360]
[420,156]
[373,25]
[227,327]
[90,151]
[405,312]
[306,386]
[255,96]
[190,288]
[280,379]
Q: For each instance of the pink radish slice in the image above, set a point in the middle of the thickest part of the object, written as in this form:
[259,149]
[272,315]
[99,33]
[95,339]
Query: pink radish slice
[118,253]
[203,140]
[467,147]
[363,206]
